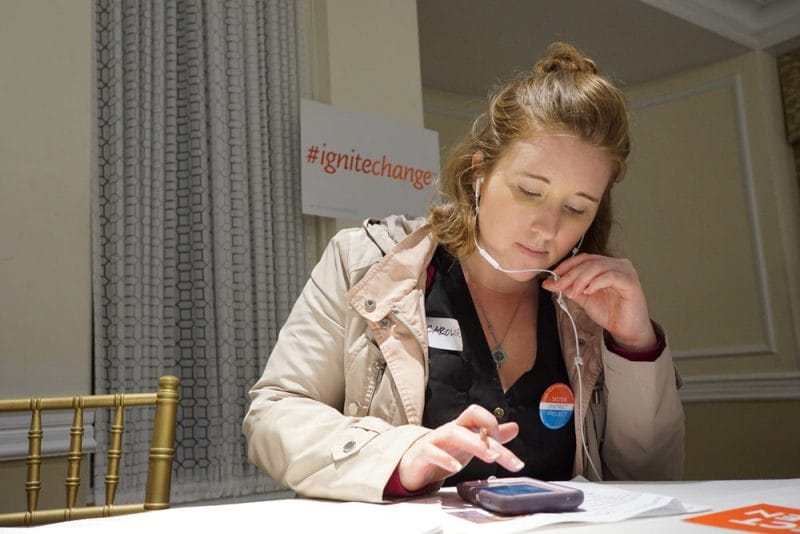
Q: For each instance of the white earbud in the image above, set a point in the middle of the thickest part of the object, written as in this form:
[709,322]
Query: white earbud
[577,247]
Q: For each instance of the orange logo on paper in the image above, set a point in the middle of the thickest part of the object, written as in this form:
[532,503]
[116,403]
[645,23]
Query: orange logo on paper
[331,161]
[755,518]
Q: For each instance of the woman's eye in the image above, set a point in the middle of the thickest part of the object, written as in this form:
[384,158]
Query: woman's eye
[574,211]
[527,193]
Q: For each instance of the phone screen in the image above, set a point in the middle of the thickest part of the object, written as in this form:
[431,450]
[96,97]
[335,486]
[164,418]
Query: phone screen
[516,489]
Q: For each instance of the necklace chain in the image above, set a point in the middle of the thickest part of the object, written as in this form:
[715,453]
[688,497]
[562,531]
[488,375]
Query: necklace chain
[498,352]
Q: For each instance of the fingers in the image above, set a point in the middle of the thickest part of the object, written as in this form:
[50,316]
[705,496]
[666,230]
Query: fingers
[432,454]
[586,274]
[605,280]
[609,291]
[475,416]
[445,451]
[506,458]
[475,433]
[484,437]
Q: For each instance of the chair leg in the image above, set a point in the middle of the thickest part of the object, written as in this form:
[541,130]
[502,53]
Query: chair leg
[162,448]
[75,454]
[33,481]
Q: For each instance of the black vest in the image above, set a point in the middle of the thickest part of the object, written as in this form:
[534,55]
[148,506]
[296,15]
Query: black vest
[458,379]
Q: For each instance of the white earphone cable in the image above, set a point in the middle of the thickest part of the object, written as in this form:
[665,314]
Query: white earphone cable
[578,365]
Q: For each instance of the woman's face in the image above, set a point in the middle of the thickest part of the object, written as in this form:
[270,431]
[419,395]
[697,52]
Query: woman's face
[539,199]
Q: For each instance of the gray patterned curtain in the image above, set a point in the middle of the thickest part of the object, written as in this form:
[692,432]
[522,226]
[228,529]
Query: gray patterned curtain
[199,241]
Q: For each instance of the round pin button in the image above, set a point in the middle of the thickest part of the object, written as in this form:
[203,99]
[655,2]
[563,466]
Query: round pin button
[556,406]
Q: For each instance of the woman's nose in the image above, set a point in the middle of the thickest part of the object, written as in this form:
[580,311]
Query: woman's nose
[546,222]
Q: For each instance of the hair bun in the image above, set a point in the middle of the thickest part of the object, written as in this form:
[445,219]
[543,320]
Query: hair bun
[564,57]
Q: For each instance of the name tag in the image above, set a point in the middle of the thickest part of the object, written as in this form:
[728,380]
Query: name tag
[444,333]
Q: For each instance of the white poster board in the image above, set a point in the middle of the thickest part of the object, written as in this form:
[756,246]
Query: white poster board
[358,166]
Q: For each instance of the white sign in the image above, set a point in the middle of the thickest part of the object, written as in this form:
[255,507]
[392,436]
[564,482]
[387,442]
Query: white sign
[358,166]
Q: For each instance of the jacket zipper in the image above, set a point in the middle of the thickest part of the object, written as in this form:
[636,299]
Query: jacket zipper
[378,368]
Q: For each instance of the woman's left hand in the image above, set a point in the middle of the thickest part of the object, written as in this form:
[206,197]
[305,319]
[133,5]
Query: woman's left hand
[609,291]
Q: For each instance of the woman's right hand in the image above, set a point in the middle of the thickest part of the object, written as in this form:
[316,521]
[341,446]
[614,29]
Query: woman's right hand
[447,449]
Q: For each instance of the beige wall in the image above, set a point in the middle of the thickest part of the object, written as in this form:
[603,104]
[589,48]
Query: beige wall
[45,169]
[450,115]
[742,439]
[712,177]
[711,183]
[709,212]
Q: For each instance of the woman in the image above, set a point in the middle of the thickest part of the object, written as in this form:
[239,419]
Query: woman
[432,351]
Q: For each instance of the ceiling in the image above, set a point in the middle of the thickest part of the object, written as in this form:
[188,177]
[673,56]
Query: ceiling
[467,46]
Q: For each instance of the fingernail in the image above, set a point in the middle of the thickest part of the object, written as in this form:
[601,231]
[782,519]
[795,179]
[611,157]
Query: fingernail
[518,464]
[457,466]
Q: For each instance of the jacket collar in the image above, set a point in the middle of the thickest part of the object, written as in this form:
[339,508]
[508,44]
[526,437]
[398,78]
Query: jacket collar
[392,285]
[395,276]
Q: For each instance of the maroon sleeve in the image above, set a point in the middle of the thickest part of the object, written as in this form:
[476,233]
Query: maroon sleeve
[394,488]
[647,355]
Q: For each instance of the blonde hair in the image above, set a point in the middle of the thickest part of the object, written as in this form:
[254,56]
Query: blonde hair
[563,94]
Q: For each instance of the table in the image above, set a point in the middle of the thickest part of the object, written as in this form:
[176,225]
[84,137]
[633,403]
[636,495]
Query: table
[308,515]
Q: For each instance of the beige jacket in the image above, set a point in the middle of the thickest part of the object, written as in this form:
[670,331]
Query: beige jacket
[342,395]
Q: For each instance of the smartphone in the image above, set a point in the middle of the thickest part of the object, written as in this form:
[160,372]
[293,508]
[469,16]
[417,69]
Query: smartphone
[519,495]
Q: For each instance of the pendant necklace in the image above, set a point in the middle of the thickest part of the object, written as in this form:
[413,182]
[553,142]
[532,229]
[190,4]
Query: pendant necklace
[498,352]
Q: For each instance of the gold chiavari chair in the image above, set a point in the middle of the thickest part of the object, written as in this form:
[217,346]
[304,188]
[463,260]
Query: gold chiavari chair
[159,472]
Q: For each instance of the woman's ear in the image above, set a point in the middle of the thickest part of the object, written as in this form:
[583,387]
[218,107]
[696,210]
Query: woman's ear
[477,159]
[477,174]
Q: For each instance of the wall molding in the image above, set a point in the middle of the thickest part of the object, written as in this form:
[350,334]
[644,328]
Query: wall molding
[55,441]
[723,350]
[733,83]
[757,25]
[784,386]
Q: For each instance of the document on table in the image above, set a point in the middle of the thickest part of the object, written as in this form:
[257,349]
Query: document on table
[602,504]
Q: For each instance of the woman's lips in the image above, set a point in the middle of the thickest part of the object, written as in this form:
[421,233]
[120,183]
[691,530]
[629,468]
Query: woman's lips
[533,252]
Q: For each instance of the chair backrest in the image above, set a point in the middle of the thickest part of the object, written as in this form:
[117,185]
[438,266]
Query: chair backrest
[159,471]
